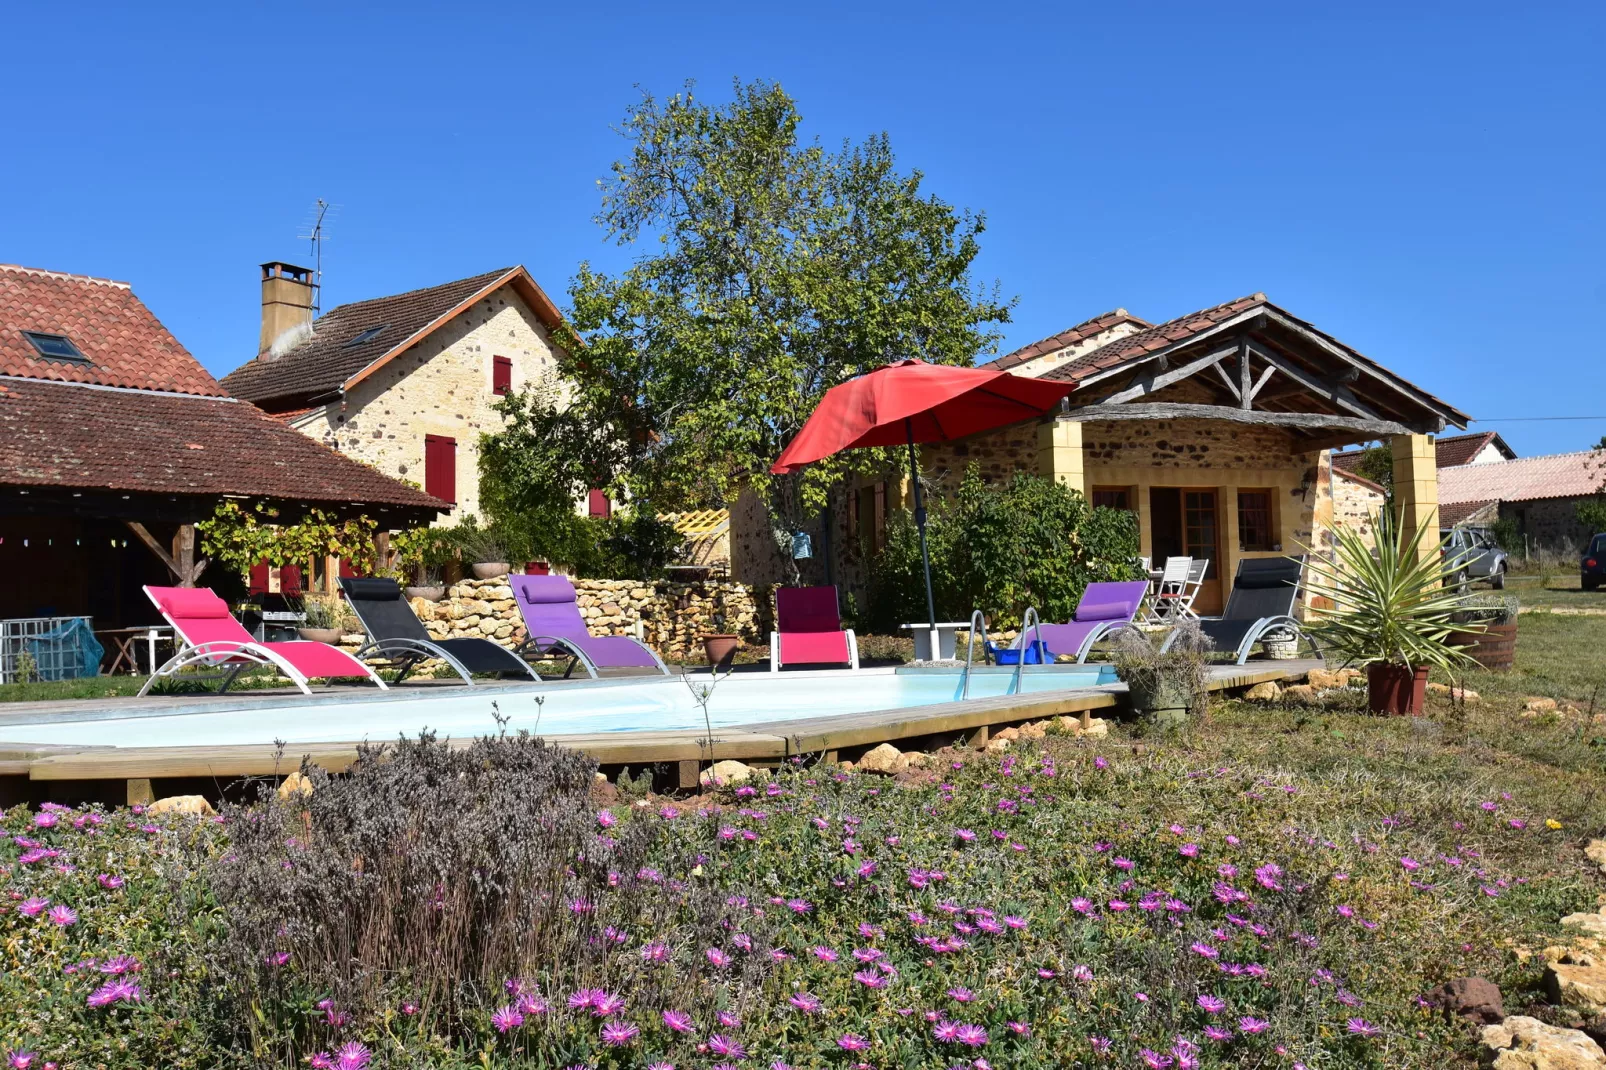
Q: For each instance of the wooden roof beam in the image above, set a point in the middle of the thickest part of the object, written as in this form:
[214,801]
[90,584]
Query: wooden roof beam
[1316,421]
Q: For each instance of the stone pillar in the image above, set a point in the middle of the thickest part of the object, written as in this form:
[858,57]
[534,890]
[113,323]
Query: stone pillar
[1416,489]
[1059,453]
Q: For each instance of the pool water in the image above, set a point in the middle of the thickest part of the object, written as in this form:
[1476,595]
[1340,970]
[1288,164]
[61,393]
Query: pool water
[574,707]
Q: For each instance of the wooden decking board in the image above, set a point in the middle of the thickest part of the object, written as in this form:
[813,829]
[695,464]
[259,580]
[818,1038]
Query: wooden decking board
[761,741]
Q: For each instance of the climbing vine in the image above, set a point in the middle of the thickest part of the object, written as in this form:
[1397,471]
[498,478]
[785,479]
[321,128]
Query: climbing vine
[238,539]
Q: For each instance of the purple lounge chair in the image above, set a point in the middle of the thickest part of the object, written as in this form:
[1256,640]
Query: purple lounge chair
[1102,609]
[551,612]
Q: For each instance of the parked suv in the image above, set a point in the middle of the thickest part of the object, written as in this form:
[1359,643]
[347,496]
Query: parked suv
[1592,567]
[1479,558]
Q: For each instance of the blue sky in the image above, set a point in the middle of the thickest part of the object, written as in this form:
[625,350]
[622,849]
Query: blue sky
[1423,181]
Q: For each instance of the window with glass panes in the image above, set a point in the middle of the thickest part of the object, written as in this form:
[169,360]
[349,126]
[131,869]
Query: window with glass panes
[1255,523]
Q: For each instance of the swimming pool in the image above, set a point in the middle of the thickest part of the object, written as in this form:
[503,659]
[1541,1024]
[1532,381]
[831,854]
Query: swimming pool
[571,707]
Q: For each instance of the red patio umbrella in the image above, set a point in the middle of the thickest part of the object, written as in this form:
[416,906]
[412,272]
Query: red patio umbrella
[912,401]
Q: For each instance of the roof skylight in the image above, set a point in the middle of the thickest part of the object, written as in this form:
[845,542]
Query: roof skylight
[366,336]
[55,347]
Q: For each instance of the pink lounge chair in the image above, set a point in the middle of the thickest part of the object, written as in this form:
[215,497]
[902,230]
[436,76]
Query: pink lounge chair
[808,630]
[208,634]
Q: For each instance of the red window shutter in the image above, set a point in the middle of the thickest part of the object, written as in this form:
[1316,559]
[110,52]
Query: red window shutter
[501,375]
[440,467]
[346,570]
[537,568]
[599,504]
[258,583]
[290,581]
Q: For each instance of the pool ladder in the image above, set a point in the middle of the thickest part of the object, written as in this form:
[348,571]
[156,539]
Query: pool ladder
[979,623]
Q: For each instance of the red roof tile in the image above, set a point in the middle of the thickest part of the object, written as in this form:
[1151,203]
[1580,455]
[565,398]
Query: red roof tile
[1066,338]
[66,435]
[1449,450]
[1558,475]
[126,345]
[1154,338]
[327,360]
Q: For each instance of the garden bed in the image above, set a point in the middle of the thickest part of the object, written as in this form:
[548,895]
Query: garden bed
[1272,888]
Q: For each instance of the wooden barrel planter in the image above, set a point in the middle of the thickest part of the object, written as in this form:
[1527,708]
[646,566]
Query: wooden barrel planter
[1494,649]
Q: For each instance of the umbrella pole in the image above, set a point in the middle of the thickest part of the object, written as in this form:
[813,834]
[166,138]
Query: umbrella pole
[920,524]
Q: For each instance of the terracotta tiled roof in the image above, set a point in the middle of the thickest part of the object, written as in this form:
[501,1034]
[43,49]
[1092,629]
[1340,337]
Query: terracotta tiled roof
[327,360]
[1147,341]
[1454,513]
[66,435]
[1344,473]
[1558,475]
[1460,449]
[1449,450]
[1134,347]
[126,345]
[1054,343]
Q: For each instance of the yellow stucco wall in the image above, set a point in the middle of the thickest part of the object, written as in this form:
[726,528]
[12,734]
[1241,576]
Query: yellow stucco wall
[441,386]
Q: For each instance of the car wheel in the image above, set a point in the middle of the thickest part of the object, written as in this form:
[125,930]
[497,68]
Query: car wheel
[1497,580]
[1589,583]
[1462,585]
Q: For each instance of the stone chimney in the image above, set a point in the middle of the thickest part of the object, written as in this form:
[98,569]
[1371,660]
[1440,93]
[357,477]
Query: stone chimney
[287,299]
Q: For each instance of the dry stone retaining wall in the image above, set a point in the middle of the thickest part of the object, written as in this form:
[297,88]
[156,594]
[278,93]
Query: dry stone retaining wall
[666,616]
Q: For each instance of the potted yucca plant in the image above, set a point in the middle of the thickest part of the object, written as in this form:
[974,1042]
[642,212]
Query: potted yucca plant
[1392,612]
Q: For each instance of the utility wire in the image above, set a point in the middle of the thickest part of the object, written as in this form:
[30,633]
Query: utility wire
[1529,419]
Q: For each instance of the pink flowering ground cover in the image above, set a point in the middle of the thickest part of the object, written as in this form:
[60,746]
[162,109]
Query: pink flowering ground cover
[1262,892]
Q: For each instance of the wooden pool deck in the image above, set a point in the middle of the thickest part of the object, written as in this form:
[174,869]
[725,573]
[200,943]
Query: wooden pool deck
[759,743]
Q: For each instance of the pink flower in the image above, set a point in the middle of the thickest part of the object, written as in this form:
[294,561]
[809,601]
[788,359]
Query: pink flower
[352,1055]
[725,1046]
[678,1021]
[1410,865]
[1211,1004]
[506,1019]
[115,992]
[606,819]
[805,1002]
[110,881]
[1121,863]
[63,916]
[1252,1025]
[1189,850]
[655,952]
[973,1036]
[717,958]
[20,1060]
[961,995]
[1362,1028]
[852,1042]
[1020,1029]
[618,1034]
[870,979]
[32,907]
[824,954]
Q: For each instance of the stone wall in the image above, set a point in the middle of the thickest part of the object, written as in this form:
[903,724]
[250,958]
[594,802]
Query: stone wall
[441,386]
[1549,522]
[666,616]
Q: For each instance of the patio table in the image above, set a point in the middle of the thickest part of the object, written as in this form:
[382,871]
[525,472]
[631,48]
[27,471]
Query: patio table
[122,642]
[935,642]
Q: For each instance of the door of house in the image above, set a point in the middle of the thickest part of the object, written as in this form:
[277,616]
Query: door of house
[1186,521]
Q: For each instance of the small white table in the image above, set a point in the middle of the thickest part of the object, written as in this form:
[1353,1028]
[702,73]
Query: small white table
[935,637]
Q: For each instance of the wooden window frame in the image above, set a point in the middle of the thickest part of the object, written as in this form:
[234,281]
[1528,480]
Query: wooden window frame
[501,376]
[1266,521]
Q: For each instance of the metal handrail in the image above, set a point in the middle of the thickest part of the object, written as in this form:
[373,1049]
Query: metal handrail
[1025,647]
[977,622]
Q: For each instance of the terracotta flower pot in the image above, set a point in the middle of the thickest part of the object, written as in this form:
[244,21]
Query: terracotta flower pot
[720,649]
[491,570]
[1396,690]
[320,635]
[431,593]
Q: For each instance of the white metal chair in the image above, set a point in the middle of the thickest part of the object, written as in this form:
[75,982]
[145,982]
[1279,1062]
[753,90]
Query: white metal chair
[1173,584]
[1183,610]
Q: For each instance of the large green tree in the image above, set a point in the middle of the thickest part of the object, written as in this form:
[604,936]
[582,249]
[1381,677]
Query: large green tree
[772,269]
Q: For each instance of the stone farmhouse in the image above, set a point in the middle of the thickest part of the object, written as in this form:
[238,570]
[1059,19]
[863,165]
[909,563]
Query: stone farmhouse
[406,383]
[114,442]
[1216,428]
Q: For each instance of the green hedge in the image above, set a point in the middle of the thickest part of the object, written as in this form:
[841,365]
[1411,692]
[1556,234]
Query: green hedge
[1001,547]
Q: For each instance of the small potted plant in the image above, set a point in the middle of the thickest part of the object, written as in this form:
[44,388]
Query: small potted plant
[426,584]
[320,621]
[1163,687]
[1391,612]
[484,549]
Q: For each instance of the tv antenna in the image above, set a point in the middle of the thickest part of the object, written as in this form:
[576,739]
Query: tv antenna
[317,236]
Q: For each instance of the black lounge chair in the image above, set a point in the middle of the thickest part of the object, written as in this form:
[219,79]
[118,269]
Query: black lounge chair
[395,632]
[1261,604]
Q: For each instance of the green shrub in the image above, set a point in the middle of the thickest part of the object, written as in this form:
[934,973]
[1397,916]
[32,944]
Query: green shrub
[1001,547]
